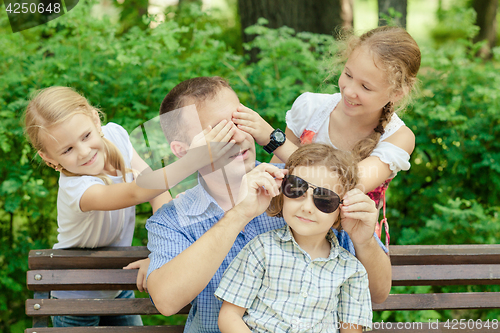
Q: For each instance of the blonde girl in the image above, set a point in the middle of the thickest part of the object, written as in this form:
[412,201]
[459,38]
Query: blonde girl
[97,191]
[379,74]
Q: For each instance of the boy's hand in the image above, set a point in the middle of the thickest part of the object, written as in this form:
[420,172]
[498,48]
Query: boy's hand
[251,122]
[257,188]
[142,265]
[358,216]
[219,139]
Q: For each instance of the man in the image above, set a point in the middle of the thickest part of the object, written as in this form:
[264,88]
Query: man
[194,238]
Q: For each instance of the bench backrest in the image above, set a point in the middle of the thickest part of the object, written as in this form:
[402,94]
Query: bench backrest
[101,269]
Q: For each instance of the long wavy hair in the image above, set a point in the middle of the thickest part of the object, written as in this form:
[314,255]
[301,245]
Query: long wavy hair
[52,106]
[398,55]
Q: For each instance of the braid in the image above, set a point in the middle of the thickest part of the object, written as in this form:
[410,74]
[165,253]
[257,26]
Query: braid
[364,147]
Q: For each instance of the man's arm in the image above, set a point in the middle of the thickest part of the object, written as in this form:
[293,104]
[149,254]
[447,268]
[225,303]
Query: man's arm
[359,216]
[180,280]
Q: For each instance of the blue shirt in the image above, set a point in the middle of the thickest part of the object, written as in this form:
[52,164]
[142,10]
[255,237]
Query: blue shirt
[178,224]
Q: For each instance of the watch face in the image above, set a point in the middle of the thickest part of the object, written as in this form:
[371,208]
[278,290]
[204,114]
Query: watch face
[279,136]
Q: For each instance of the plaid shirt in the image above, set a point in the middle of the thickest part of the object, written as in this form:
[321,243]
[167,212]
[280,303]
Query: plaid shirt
[284,290]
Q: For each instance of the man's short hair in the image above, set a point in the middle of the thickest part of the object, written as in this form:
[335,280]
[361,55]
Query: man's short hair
[193,91]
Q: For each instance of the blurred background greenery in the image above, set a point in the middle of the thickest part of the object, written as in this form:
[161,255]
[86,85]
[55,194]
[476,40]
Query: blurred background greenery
[125,55]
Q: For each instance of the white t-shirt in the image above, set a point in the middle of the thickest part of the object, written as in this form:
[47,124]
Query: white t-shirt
[94,228]
[312,111]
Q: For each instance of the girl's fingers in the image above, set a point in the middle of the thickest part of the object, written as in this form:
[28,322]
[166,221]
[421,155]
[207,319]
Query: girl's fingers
[226,148]
[360,206]
[243,115]
[243,109]
[361,216]
[225,134]
[247,129]
[220,131]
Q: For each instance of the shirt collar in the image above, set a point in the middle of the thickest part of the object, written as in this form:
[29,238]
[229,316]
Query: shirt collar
[196,201]
[285,234]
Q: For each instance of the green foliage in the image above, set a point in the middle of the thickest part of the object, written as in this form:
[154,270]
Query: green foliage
[454,24]
[449,195]
[457,127]
[288,65]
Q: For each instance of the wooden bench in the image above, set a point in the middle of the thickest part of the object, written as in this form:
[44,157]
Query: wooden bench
[101,269]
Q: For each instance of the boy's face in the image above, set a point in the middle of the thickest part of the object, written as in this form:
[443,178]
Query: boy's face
[222,106]
[301,214]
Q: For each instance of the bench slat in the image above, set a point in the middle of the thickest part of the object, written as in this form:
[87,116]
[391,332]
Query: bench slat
[440,301]
[91,307]
[118,257]
[118,279]
[143,306]
[110,257]
[109,329]
[82,279]
[435,275]
[445,254]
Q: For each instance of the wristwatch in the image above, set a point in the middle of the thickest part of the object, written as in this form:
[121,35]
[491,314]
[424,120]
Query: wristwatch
[278,138]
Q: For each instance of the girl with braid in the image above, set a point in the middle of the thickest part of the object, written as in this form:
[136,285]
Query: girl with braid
[378,77]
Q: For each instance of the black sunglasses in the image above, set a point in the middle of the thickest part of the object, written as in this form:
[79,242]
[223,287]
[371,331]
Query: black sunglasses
[324,199]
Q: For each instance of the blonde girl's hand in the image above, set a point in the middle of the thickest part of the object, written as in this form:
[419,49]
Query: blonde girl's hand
[358,216]
[251,122]
[219,139]
[142,265]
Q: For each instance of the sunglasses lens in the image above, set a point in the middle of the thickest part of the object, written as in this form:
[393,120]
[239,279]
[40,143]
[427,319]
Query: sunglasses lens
[325,200]
[294,187]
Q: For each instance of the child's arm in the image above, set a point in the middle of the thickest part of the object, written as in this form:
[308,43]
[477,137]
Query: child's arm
[350,328]
[373,171]
[115,196]
[153,183]
[230,319]
[158,201]
[359,216]
[251,122]
[198,155]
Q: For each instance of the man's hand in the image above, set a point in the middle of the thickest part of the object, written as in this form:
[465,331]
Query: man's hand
[142,265]
[358,216]
[257,188]
[251,122]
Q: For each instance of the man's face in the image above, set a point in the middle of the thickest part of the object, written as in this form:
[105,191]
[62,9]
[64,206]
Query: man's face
[222,107]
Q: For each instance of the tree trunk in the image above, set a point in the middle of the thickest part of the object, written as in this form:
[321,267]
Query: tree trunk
[318,16]
[347,14]
[131,14]
[383,12]
[486,21]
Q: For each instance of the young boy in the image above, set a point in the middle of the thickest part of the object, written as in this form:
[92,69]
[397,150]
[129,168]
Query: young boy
[297,278]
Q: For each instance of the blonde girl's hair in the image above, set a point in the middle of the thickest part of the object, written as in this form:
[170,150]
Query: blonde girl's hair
[52,106]
[398,55]
[339,163]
